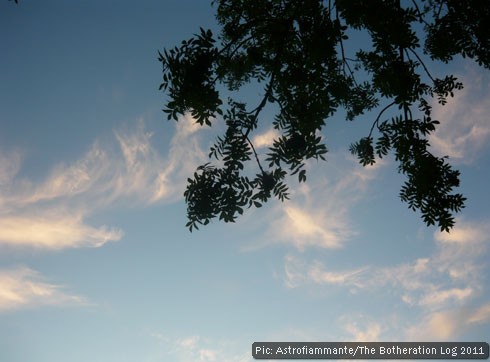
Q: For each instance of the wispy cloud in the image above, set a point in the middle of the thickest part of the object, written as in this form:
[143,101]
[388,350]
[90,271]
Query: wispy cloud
[319,275]
[294,271]
[464,130]
[52,213]
[55,232]
[9,167]
[305,227]
[198,348]
[207,355]
[189,342]
[480,315]
[437,326]
[450,277]
[361,328]
[448,324]
[23,288]
[318,213]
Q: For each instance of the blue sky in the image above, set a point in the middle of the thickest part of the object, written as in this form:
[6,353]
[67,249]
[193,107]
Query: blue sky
[95,261]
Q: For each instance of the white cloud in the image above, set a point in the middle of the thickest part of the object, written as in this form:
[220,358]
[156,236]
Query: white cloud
[184,156]
[54,232]
[361,328]
[437,326]
[52,213]
[464,130]
[481,315]
[23,287]
[318,213]
[63,181]
[310,229]
[448,324]
[199,348]
[207,355]
[9,166]
[439,297]
[294,271]
[464,232]
[317,274]
[370,334]
[265,139]
[452,276]
[189,342]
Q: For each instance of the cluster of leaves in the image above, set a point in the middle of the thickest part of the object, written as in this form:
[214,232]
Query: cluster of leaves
[460,27]
[298,51]
[188,78]
[430,179]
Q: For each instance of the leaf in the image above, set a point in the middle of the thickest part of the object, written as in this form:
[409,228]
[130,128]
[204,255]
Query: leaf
[302,176]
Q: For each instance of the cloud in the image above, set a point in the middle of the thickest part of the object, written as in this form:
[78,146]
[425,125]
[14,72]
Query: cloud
[294,271]
[207,355]
[299,272]
[437,326]
[318,275]
[464,130]
[318,213]
[189,342]
[54,232]
[439,289]
[306,228]
[448,324]
[451,277]
[198,348]
[464,232]
[24,288]
[438,297]
[184,156]
[360,328]
[480,315]
[9,166]
[53,213]
[265,139]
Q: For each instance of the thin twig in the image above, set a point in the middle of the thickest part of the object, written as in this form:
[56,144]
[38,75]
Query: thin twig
[423,64]
[375,123]
[255,154]
[262,104]
[419,13]
[342,50]
[256,112]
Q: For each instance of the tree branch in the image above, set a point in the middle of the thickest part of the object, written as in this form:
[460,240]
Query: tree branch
[422,63]
[375,123]
[256,113]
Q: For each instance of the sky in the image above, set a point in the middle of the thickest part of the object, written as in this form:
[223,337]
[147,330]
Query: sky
[96,263]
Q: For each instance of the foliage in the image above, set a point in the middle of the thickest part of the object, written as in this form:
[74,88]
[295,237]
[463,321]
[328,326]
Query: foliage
[298,52]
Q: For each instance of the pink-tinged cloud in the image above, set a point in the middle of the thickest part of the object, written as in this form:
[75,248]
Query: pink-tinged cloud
[448,324]
[24,288]
[318,213]
[464,130]
[54,233]
[464,232]
[452,276]
[480,315]
[361,328]
[199,348]
[52,213]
